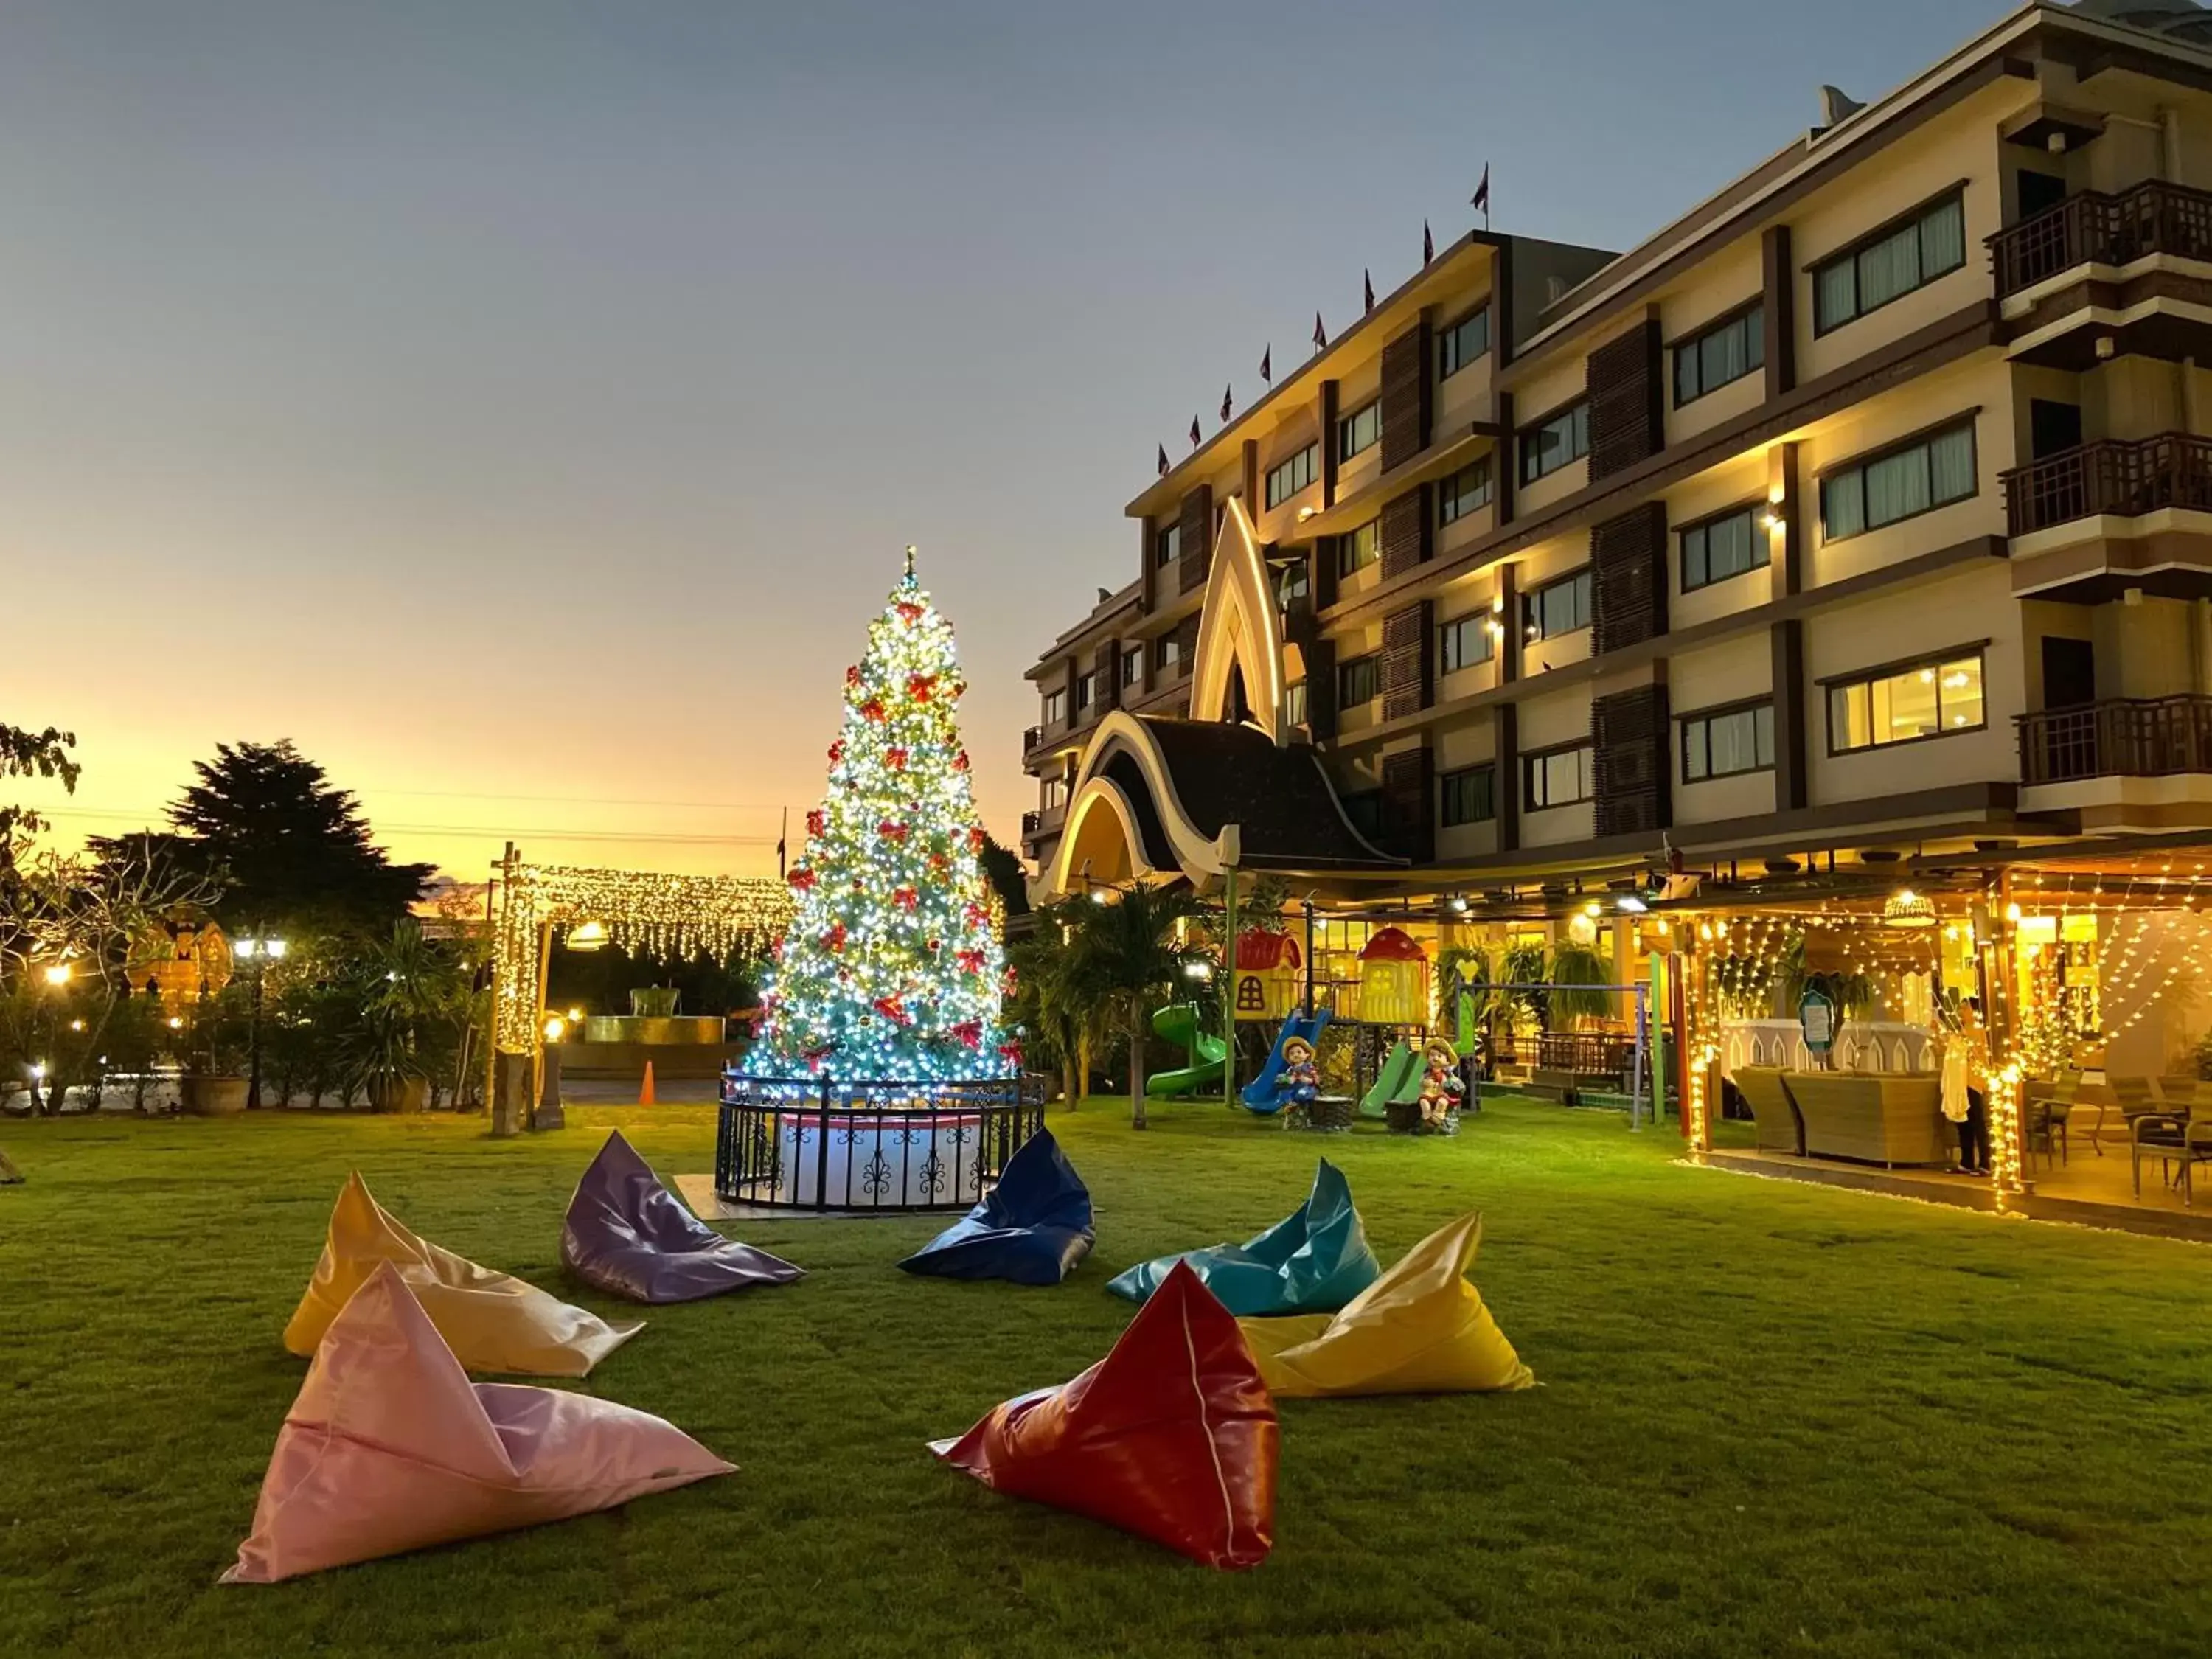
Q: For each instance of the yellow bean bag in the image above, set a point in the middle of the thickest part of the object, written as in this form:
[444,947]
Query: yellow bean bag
[493,1321]
[1420,1328]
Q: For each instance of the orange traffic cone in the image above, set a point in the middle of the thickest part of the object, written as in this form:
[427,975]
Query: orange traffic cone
[645,1089]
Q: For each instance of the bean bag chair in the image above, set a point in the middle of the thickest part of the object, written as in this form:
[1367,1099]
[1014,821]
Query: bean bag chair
[390,1448]
[1032,1228]
[1314,1261]
[493,1321]
[1170,1436]
[629,1236]
[1420,1328]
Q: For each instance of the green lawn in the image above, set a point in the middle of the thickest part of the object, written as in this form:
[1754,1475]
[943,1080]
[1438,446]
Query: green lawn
[1775,1419]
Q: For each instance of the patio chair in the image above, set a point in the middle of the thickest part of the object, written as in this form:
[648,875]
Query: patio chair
[2196,1148]
[2159,1135]
[2131,1099]
[2050,1104]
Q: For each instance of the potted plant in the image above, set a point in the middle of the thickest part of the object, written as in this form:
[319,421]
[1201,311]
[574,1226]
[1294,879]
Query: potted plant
[406,992]
[216,1040]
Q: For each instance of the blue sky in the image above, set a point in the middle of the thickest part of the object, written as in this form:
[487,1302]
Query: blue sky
[522,404]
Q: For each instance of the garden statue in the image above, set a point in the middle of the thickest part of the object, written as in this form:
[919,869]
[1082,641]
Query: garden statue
[1440,1086]
[1299,1083]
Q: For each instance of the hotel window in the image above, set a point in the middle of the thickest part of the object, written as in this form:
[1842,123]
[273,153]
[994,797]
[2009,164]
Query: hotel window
[1294,703]
[1359,549]
[1055,707]
[1933,698]
[1297,585]
[1915,478]
[1557,607]
[1358,681]
[1463,492]
[1558,777]
[1722,742]
[1715,548]
[1165,651]
[1468,796]
[1890,263]
[1726,351]
[1460,343]
[1167,546]
[1551,444]
[1133,664]
[1363,810]
[1086,690]
[1359,430]
[1464,642]
[1294,475]
[1055,792]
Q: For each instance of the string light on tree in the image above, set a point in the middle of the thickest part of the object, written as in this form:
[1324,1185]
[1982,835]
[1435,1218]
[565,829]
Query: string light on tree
[892,967]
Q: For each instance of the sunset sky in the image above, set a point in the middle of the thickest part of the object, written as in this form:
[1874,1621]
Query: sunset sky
[522,404]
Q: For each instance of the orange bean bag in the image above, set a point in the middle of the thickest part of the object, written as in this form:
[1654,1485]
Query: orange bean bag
[492,1321]
[390,1448]
[1420,1328]
[1170,1436]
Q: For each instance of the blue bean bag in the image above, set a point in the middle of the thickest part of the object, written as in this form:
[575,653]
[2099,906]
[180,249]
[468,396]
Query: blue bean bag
[1032,1228]
[1314,1260]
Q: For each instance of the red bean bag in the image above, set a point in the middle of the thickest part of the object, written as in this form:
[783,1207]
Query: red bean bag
[1172,1436]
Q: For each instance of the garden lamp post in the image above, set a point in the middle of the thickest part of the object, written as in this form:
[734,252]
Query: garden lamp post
[260,951]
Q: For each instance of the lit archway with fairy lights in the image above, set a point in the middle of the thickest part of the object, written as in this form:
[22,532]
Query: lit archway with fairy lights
[676,914]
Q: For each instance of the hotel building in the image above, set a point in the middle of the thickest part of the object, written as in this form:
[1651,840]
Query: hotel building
[1861,516]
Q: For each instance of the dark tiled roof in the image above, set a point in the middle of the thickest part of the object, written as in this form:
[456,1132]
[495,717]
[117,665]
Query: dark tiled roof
[1227,774]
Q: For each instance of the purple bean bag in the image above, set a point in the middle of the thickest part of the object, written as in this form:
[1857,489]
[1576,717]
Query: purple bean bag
[631,1236]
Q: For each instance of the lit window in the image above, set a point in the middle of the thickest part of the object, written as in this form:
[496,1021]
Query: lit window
[1931,699]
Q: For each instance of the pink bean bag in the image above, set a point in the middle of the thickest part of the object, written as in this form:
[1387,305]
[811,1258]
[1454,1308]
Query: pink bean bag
[391,1448]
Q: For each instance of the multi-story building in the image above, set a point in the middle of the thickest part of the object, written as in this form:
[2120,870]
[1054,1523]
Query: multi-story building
[1865,508]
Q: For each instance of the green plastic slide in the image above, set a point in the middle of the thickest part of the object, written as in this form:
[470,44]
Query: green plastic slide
[1178,1022]
[1401,1081]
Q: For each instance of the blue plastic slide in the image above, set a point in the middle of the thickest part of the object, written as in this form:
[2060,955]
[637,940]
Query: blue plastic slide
[1259,1095]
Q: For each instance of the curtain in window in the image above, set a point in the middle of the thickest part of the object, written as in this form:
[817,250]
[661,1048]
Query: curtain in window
[1694,761]
[1850,724]
[1843,506]
[1835,295]
[1889,268]
[1896,486]
[1943,238]
[1951,465]
[1723,356]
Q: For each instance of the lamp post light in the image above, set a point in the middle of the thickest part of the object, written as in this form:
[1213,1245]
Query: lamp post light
[260,950]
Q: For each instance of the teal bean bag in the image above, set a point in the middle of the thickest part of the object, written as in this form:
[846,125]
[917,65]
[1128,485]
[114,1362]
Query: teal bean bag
[1313,1261]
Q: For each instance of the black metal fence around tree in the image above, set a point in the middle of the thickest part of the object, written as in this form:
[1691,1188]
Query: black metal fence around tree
[827,1144]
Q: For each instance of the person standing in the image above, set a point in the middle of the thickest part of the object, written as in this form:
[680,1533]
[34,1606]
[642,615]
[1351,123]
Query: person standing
[1964,1062]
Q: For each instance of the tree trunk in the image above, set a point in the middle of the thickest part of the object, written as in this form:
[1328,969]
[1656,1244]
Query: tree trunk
[1083,1065]
[1137,1063]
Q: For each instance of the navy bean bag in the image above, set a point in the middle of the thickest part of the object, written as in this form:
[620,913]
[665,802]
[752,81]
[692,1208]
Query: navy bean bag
[1032,1228]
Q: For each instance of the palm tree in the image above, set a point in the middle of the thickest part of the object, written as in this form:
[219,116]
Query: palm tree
[1129,960]
[1053,1003]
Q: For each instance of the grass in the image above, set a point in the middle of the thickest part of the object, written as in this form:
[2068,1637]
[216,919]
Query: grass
[1777,1419]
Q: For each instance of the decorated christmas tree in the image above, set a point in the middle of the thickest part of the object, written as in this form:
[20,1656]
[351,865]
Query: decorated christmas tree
[892,968]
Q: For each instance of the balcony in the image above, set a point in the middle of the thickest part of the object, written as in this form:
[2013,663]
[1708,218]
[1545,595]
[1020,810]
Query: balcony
[2113,478]
[2119,738]
[2094,227]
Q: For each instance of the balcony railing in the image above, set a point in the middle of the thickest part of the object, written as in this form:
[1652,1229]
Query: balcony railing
[2094,226]
[1031,822]
[2119,738]
[2123,479]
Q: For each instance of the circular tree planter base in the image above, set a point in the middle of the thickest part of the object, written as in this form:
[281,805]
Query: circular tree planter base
[213,1096]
